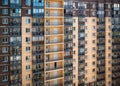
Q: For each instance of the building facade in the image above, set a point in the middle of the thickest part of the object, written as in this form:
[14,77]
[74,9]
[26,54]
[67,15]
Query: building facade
[59,42]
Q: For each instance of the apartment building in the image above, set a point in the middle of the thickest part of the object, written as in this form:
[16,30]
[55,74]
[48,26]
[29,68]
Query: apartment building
[59,42]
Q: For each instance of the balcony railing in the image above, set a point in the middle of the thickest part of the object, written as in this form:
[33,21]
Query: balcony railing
[38,52]
[53,6]
[15,43]
[56,59]
[53,24]
[38,24]
[49,78]
[15,23]
[50,51]
[38,33]
[38,70]
[53,15]
[53,33]
[15,33]
[53,68]
[53,42]
[38,61]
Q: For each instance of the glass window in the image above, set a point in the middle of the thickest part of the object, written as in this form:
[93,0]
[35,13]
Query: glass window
[5,21]
[28,11]
[4,59]
[4,78]
[4,11]
[4,49]
[5,31]
[27,21]
[4,2]
[15,1]
[27,30]
[4,40]
[28,2]
[27,49]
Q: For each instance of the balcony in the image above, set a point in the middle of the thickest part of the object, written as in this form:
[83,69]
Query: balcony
[68,23]
[53,33]
[54,68]
[38,33]
[55,77]
[38,70]
[54,24]
[49,6]
[14,23]
[15,43]
[53,50]
[53,15]
[38,61]
[54,60]
[38,52]
[54,42]
[38,24]
[38,43]
[17,33]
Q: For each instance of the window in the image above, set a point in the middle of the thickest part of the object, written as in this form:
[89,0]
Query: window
[28,39]
[15,1]
[28,11]
[93,20]
[27,30]
[5,21]
[28,84]
[4,59]
[109,6]
[28,49]
[4,78]
[28,77]
[27,21]
[4,2]
[28,67]
[4,11]
[4,49]
[27,58]
[93,6]
[4,40]
[28,2]
[93,70]
[5,30]
[4,68]
[93,63]
[93,13]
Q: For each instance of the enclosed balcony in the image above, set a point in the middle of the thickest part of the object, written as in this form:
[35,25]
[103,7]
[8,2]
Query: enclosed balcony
[54,66]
